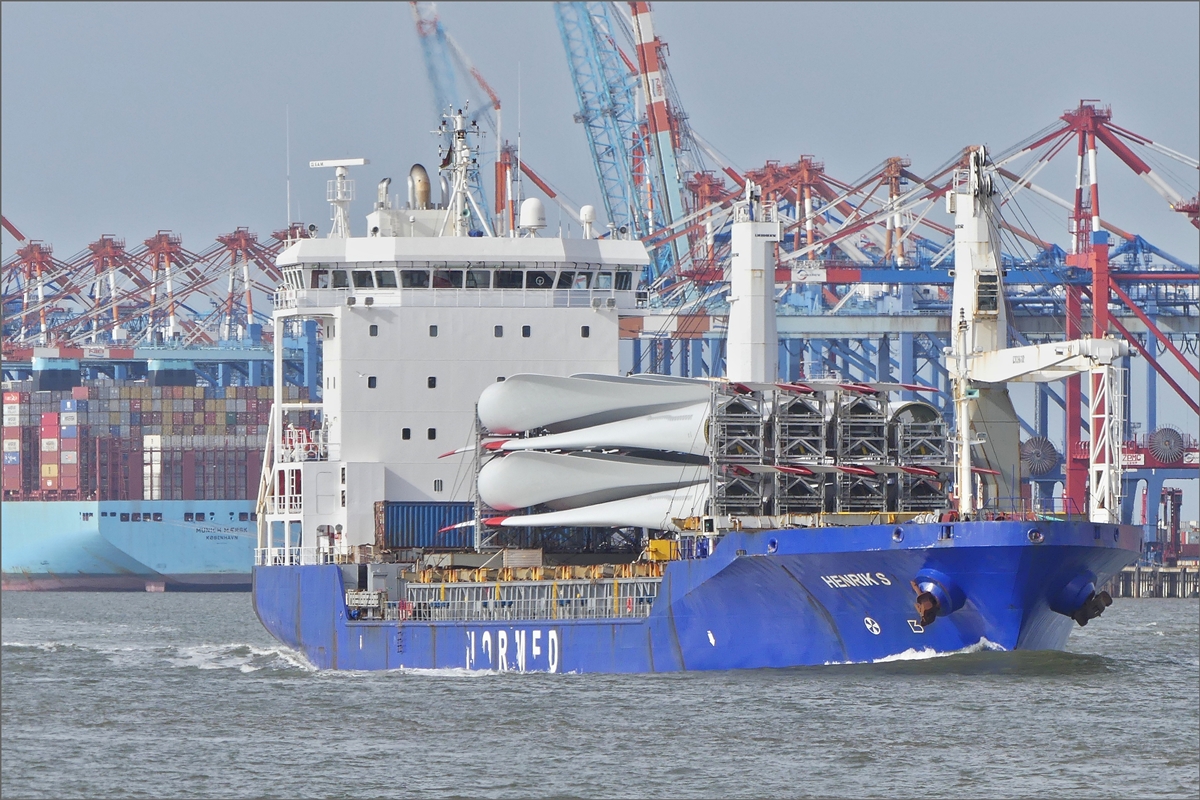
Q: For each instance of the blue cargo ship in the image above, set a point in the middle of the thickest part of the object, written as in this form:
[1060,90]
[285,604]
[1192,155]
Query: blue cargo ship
[638,523]
[763,599]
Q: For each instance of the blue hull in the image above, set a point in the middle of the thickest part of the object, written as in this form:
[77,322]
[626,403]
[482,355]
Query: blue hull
[97,545]
[764,599]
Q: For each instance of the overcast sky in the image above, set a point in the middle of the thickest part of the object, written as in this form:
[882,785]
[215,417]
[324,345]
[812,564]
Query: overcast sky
[128,118]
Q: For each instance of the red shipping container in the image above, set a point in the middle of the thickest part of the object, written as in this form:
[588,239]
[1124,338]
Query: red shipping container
[68,484]
[50,431]
[210,418]
[12,433]
[135,405]
[49,483]
[79,392]
[68,444]
[177,418]
[12,470]
[68,471]
[12,397]
[50,418]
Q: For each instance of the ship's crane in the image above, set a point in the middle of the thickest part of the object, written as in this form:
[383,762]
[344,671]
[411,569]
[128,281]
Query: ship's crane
[981,362]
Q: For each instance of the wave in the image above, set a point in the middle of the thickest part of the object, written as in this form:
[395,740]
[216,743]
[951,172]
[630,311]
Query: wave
[912,654]
[238,656]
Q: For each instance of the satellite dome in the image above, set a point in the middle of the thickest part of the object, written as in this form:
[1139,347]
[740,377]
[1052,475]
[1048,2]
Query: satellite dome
[533,214]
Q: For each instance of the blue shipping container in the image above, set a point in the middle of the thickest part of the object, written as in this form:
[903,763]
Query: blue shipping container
[68,405]
[12,458]
[411,525]
[70,432]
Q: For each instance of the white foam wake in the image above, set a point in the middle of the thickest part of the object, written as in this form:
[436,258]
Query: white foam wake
[912,654]
[242,657]
[239,656]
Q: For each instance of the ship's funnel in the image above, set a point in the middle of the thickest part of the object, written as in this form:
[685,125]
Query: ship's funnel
[679,430]
[656,511]
[528,402]
[418,180]
[561,481]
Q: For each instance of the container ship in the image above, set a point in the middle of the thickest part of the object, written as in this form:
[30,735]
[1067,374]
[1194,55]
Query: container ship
[490,492]
[129,485]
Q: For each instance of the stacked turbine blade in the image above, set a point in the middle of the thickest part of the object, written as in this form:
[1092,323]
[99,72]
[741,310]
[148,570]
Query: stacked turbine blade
[598,451]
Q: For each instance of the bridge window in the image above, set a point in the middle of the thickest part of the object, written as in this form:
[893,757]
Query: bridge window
[320,279]
[448,279]
[624,281]
[340,279]
[362,279]
[414,279]
[604,280]
[478,279]
[565,280]
[385,278]
[536,279]
[510,279]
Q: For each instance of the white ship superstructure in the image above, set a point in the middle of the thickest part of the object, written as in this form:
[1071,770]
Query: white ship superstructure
[417,318]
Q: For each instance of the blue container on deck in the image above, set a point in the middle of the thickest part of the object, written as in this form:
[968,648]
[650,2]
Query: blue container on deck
[69,432]
[69,405]
[408,525]
[12,458]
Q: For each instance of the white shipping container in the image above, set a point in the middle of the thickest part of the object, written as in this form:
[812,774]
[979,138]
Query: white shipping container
[49,445]
[152,441]
[12,408]
[12,420]
[12,445]
[68,457]
[68,418]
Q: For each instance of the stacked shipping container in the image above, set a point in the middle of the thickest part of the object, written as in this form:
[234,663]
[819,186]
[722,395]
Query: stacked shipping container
[133,441]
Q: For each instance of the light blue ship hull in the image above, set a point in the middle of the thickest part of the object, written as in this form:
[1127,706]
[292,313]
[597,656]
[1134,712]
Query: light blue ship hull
[97,545]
